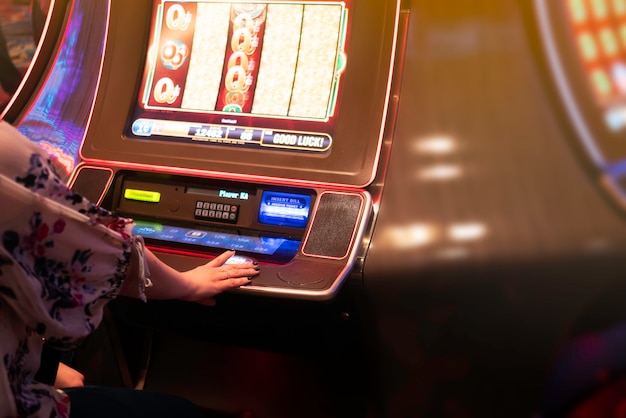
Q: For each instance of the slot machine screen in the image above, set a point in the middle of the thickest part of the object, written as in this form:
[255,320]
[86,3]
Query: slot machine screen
[274,89]
[270,79]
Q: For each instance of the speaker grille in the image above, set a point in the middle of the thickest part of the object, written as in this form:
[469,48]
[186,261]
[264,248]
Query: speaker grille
[92,183]
[334,225]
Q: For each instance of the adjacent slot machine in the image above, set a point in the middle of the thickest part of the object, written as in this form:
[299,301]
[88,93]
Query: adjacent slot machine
[585,45]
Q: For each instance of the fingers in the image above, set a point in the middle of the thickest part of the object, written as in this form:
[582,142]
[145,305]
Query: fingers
[227,276]
[238,275]
[234,270]
[222,258]
[240,272]
[233,283]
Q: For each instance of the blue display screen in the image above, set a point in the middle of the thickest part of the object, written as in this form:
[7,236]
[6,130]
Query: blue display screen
[202,239]
[284,209]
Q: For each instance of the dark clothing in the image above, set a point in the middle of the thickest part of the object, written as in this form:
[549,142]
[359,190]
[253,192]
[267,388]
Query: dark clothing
[106,402]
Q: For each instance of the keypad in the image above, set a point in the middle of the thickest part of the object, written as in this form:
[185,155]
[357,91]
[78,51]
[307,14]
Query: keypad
[213,211]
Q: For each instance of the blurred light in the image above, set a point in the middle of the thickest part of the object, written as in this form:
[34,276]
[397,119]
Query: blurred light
[577,10]
[616,118]
[440,172]
[608,42]
[453,253]
[618,72]
[598,245]
[601,82]
[600,9]
[619,7]
[467,232]
[409,236]
[436,145]
[587,46]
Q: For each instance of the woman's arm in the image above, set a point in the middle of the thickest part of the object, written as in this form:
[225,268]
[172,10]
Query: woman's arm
[200,284]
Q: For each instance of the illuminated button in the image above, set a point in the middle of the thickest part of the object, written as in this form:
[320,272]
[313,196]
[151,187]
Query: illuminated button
[211,214]
[205,212]
[225,215]
[199,204]
[213,206]
[233,208]
[220,207]
[206,205]
[142,195]
[198,212]
[233,216]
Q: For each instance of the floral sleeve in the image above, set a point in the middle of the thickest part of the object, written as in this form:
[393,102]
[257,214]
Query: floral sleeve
[61,260]
[67,265]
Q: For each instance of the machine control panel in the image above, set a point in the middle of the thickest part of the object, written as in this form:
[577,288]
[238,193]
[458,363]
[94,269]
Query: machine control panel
[201,215]
[214,202]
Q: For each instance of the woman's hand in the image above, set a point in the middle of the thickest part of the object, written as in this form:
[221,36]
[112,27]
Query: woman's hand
[215,277]
[200,284]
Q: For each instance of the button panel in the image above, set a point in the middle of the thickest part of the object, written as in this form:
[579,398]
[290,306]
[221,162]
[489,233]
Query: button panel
[213,211]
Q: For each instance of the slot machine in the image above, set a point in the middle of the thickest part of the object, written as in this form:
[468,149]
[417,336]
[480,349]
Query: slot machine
[247,130]
[262,127]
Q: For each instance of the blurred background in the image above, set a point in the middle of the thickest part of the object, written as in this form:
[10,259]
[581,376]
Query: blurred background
[17,27]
